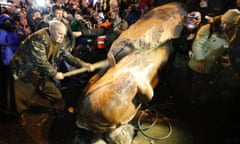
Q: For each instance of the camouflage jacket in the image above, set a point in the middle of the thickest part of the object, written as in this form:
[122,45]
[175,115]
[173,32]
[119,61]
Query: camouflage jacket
[37,53]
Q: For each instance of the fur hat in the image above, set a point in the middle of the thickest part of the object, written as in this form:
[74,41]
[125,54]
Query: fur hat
[231,16]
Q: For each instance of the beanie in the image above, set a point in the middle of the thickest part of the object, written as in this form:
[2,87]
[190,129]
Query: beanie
[4,17]
[232,16]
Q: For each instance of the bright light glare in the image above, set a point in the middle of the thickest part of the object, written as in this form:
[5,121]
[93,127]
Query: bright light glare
[94,2]
[41,3]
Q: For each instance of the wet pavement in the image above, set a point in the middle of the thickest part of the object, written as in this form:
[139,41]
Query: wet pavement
[190,124]
[192,129]
[63,131]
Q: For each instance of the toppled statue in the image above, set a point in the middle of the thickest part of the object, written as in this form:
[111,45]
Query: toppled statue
[155,28]
[136,57]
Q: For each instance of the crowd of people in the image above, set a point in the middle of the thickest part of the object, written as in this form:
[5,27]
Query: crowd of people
[38,44]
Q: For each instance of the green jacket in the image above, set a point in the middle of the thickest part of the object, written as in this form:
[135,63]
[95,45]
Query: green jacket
[38,53]
[206,49]
[204,44]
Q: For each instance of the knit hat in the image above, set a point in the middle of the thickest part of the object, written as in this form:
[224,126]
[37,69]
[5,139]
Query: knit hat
[232,16]
[4,17]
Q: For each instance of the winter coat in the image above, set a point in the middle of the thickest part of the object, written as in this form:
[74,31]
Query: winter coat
[38,53]
[8,45]
[206,49]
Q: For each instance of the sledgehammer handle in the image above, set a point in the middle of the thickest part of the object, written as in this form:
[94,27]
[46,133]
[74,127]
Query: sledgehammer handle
[96,65]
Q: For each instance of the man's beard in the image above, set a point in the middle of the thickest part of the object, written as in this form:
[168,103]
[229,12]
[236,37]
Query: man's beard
[59,40]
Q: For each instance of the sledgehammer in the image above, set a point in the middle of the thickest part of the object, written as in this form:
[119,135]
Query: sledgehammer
[96,65]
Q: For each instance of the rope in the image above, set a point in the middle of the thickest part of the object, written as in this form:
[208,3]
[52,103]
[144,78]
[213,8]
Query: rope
[142,130]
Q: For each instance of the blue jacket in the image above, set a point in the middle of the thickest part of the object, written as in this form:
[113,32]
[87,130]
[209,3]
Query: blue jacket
[8,44]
